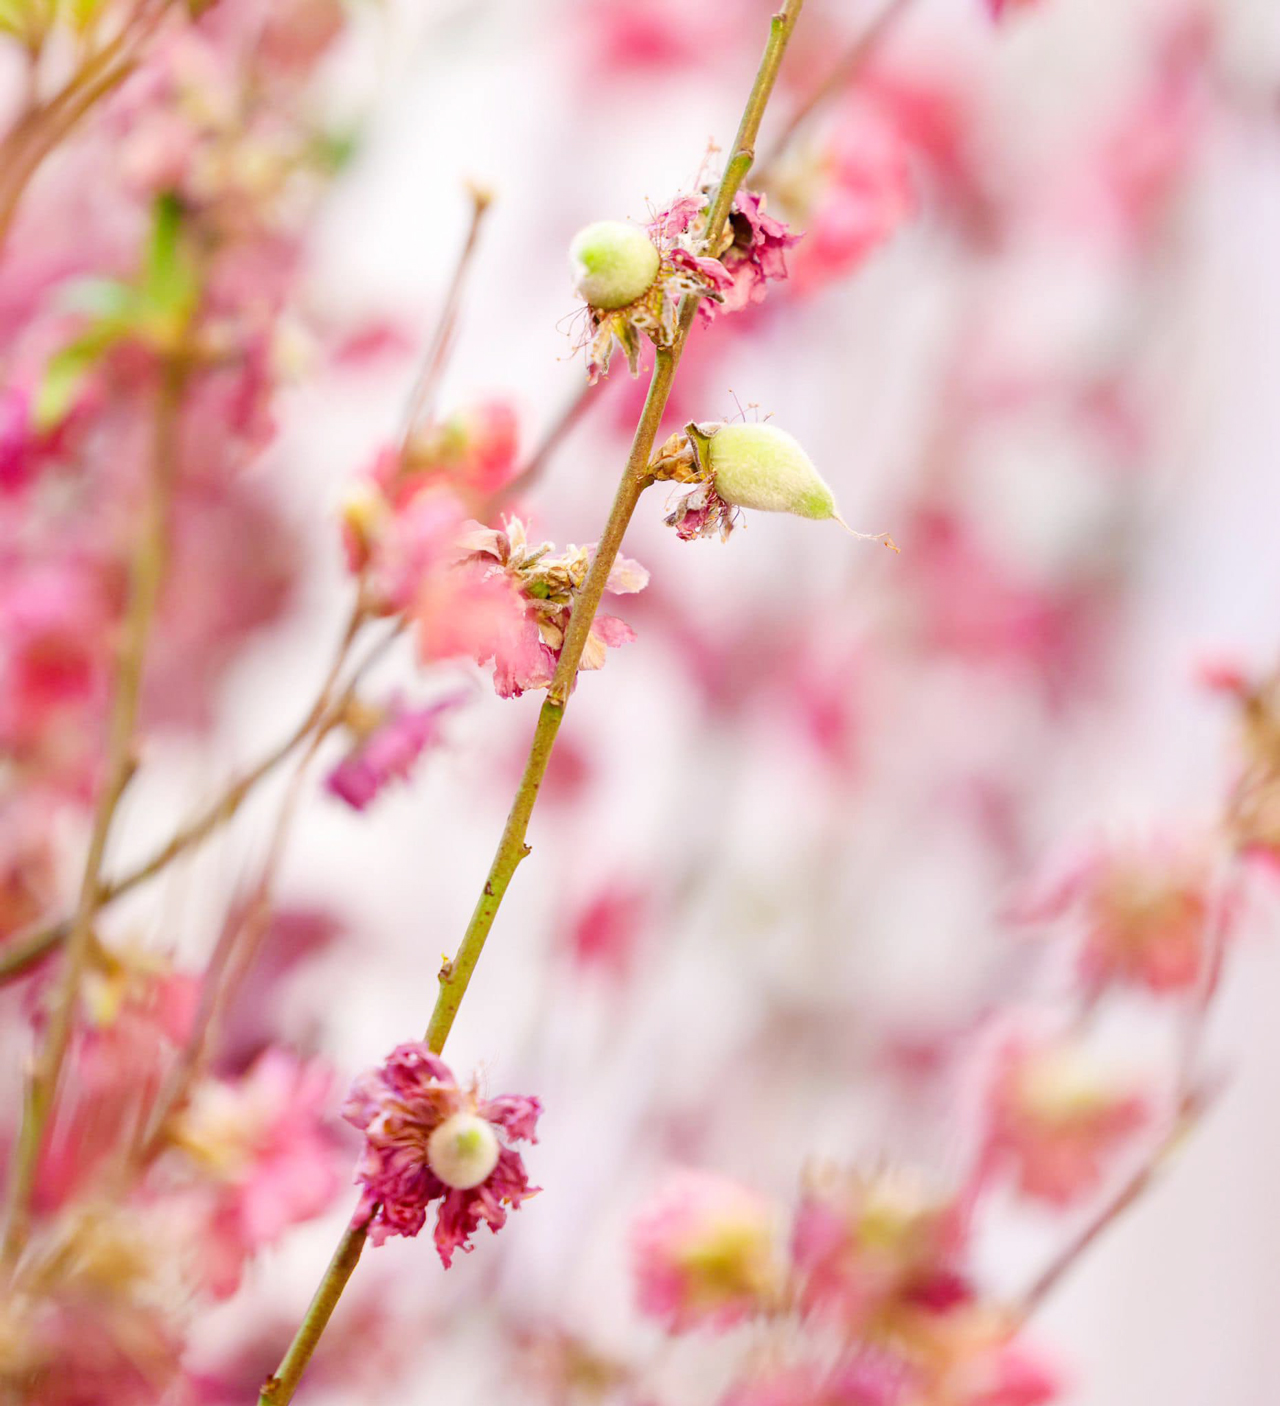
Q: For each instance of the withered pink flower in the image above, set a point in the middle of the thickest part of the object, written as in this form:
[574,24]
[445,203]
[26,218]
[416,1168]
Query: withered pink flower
[525,641]
[388,741]
[705,1253]
[1057,1119]
[753,253]
[427,1139]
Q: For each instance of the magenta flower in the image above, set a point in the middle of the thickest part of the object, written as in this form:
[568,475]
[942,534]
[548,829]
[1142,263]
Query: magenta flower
[427,1139]
[386,747]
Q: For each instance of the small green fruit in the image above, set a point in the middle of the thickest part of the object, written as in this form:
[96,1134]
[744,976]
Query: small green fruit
[613,264]
[762,467]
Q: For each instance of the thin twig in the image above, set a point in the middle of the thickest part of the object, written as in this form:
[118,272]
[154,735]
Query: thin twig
[537,462]
[422,397]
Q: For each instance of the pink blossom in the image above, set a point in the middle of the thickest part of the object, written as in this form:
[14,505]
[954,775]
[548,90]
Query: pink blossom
[607,930]
[387,745]
[263,1147]
[1145,912]
[398,1106]
[755,254]
[136,1013]
[1057,1119]
[1010,1376]
[859,195]
[704,1252]
[873,1250]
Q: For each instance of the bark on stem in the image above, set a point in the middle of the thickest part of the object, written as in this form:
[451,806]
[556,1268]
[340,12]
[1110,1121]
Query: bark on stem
[456,975]
[146,578]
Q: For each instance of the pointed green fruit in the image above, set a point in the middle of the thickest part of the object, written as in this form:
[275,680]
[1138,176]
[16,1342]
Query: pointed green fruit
[613,264]
[762,467]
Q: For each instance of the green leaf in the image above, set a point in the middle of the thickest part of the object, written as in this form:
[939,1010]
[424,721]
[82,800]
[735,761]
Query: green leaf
[66,371]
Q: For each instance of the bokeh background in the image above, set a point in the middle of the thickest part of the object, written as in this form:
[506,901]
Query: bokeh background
[772,871]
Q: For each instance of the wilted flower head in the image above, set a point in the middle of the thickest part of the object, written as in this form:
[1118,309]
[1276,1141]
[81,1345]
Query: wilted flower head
[387,743]
[427,1139]
[540,589]
[705,1253]
[1056,1118]
[876,1250]
[634,281]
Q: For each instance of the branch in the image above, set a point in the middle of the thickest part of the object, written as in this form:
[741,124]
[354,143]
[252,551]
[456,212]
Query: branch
[456,975]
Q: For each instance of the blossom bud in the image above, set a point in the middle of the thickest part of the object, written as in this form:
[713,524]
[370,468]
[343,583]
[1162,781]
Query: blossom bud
[613,264]
[462,1151]
[762,467]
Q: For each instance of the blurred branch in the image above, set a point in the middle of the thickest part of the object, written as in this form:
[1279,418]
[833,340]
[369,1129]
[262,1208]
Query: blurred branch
[456,974]
[847,67]
[40,128]
[536,466]
[18,956]
[1191,1102]
[422,397]
[146,577]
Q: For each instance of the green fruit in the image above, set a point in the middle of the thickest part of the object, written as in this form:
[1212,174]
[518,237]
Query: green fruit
[761,467]
[613,264]
[462,1151]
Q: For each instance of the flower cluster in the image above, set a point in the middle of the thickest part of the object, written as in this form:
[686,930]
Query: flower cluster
[427,1139]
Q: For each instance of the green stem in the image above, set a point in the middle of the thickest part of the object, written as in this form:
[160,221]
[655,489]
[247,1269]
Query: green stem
[147,576]
[456,974]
